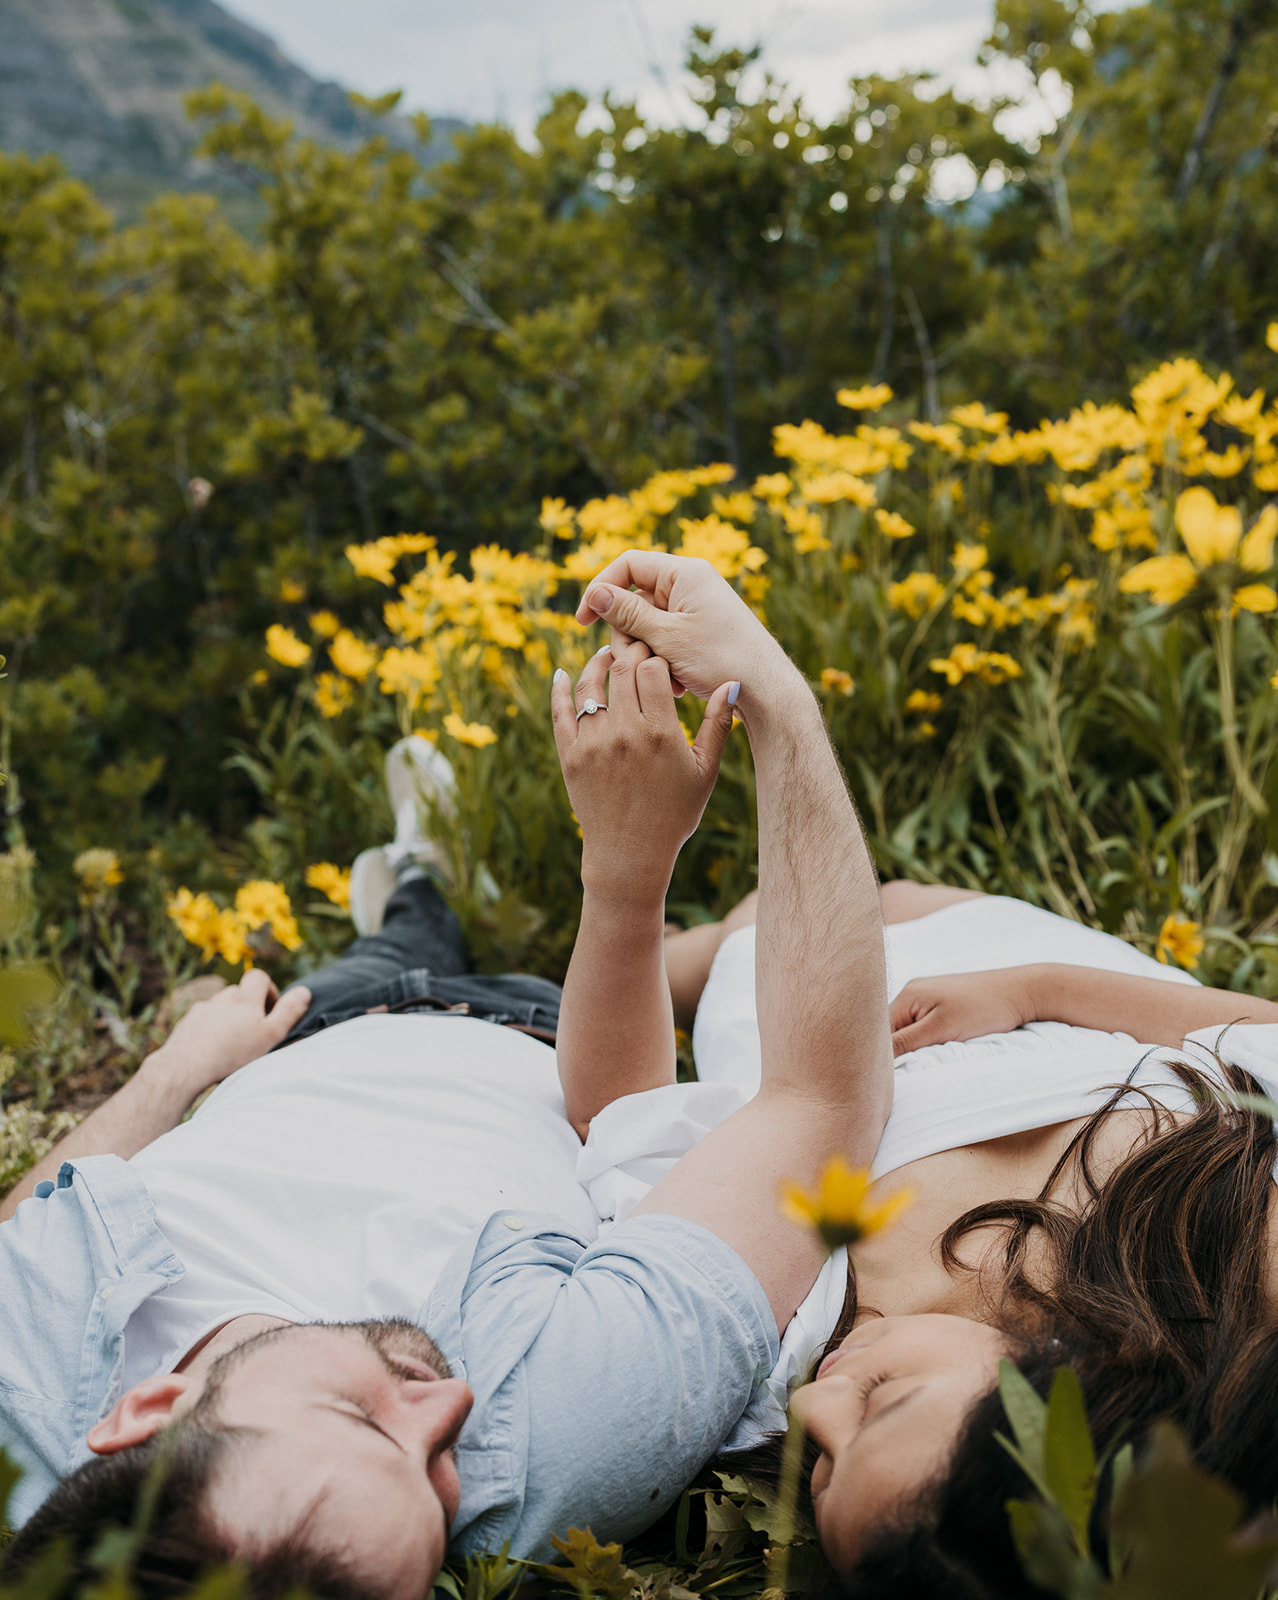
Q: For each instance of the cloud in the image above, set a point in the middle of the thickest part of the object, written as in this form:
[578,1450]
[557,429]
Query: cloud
[502,58]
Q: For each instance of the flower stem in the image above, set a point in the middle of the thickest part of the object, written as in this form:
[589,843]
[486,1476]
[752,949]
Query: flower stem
[1222,631]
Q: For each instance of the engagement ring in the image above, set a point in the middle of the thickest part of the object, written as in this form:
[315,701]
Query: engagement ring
[589,709]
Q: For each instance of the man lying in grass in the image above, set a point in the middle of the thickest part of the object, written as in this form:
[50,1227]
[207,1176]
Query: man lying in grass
[357,1306]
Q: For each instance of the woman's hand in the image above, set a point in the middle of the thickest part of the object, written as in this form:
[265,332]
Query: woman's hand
[637,787]
[966,1005]
[219,1036]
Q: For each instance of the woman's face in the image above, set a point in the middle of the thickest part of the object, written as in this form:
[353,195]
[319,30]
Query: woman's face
[886,1410]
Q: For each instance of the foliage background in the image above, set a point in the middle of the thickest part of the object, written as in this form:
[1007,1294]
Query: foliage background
[756,339]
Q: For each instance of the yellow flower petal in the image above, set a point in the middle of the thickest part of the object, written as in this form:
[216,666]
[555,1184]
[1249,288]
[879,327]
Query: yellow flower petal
[1256,553]
[841,1211]
[1257,597]
[1167,578]
[1211,532]
[283,645]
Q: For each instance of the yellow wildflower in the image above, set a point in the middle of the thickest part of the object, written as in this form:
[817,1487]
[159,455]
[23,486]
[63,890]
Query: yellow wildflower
[615,517]
[828,487]
[476,734]
[915,594]
[1180,940]
[351,656]
[772,486]
[261,902]
[893,524]
[1242,412]
[966,661]
[835,679]
[807,527]
[738,507]
[869,397]
[841,1210]
[944,435]
[976,416]
[331,881]
[98,870]
[409,672]
[332,694]
[291,591]
[923,703]
[1271,335]
[556,518]
[968,559]
[323,623]
[1223,464]
[283,645]
[212,931]
[726,548]
[1213,537]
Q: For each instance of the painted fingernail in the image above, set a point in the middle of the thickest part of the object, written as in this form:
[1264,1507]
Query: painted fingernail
[603,649]
[600,600]
[734,689]
[560,676]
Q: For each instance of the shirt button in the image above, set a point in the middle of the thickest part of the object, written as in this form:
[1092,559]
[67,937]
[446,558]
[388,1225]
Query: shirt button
[107,1293]
[513,1223]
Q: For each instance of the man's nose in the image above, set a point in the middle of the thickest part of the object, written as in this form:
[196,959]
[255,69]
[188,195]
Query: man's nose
[436,1411]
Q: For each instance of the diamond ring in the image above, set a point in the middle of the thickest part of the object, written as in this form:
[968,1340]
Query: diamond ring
[589,709]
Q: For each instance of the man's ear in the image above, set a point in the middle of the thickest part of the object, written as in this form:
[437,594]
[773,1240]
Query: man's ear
[139,1413]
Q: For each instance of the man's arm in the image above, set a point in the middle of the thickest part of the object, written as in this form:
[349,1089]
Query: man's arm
[638,791]
[822,990]
[213,1039]
[970,1004]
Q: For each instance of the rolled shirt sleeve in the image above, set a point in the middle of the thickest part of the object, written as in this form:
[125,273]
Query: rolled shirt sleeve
[605,1374]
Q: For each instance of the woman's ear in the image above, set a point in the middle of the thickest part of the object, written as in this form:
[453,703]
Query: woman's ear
[139,1413]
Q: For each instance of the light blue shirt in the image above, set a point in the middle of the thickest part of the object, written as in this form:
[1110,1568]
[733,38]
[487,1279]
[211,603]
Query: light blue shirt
[605,1374]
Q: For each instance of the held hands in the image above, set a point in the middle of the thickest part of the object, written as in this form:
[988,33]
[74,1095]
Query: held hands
[219,1036]
[636,785]
[964,1006]
[693,619]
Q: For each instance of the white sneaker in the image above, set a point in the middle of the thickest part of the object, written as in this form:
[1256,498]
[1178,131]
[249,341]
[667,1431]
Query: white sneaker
[415,772]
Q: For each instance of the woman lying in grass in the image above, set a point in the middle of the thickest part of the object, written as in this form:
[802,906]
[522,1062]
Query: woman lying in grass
[1082,1195]
[1077,1199]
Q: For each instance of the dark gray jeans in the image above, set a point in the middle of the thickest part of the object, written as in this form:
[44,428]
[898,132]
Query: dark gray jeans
[418,962]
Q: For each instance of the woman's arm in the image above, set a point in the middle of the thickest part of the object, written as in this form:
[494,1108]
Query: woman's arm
[214,1039]
[822,990]
[968,1005]
[638,790]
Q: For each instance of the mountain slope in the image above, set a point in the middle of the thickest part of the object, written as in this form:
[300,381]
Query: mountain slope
[100,84]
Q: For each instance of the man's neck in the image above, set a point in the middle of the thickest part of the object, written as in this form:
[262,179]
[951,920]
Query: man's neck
[200,1357]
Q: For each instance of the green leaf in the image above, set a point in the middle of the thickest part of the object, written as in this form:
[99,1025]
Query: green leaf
[1048,1551]
[1027,1414]
[593,1569]
[1180,1527]
[22,990]
[10,1474]
[1069,1460]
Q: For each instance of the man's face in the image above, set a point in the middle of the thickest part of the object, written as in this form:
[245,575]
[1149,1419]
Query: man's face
[350,1434]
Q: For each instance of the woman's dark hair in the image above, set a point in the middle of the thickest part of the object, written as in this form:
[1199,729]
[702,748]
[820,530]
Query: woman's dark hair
[161,1489]
[1154,1290]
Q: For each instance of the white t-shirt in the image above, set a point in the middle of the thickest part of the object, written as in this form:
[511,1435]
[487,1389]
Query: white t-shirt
[945,1096]
[332,1180]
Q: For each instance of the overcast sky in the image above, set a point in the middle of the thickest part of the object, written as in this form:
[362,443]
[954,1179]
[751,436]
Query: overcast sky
[499,59]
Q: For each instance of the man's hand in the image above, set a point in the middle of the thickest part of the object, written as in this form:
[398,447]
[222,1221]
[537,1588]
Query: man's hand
[691,617]
[214,1039]
[219,1036]
[637,787]
[967,1005]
